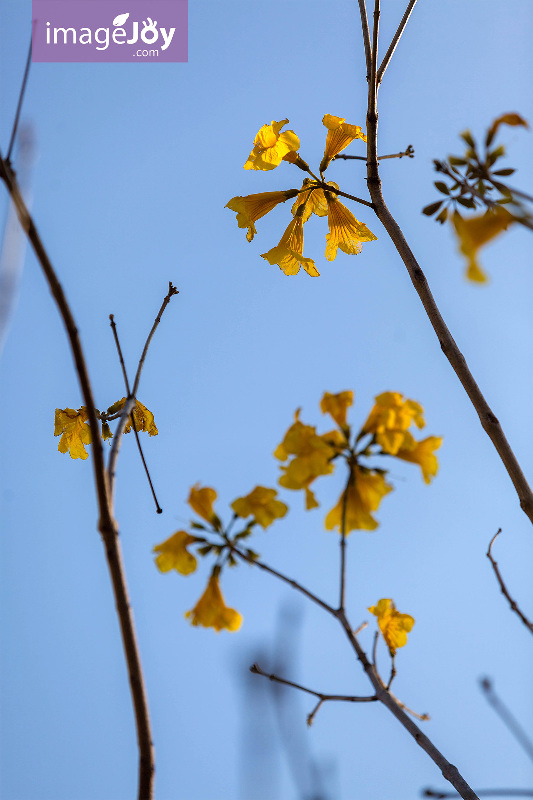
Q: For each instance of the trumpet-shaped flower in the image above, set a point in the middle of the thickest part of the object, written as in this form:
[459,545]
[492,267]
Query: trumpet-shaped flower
[270,146]
[211,612]
[340,135]
[254,206]
[312,456]
[475,232]
[423,454]
[144,419]
[173,554]
[390,419]
[75,433]
[288,254]
[344,230]
[201,500]
[393,625]
[261,504]
[507,119]
[337,406]
[364,493]
[311,200]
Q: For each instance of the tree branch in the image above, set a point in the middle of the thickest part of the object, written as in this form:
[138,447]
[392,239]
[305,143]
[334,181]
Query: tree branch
[366,36]
[395,39]
[503,587]
[512,724]
[106,524]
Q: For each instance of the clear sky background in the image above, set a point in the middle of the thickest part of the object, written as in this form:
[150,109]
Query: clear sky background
[134,166]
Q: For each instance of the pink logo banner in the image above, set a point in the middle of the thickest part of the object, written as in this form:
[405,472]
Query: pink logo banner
[106,31]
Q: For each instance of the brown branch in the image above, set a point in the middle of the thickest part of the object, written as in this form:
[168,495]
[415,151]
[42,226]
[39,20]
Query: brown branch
[503,587]
[330,188]
[395,39]
[322,698]
[487,418]
[482,793]
[106,524]
[171,291]
[366,36]
[409,152]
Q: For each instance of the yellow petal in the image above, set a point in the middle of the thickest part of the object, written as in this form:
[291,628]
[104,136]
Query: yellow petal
[173,554]
[211,612]
[475,232]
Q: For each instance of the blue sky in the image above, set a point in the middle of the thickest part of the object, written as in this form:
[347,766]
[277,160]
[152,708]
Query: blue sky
[134,166]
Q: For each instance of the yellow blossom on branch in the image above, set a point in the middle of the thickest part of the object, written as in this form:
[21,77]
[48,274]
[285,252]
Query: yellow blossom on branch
[512,119]
[474,233]
[345,231]
[72,426]
[261,504]
[311,456]
[270,146]
[201,500]
[254,206]
[211,612]
[173,554]
[144,419]
[288,254]
[390,419]
[340,135]
[423,454]
[311,200]
[393,625]
[363,495]
[337,406]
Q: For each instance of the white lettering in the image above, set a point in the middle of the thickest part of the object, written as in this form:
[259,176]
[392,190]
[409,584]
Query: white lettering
[135,34]
[85,36]
[105,41]
[167,39]
[65,32]
[118,32]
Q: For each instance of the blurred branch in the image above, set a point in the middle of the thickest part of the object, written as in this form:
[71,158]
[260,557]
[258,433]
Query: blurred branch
[482,793]
[503,587]
[409,152]
[106,524]
[512,725]
[19,105]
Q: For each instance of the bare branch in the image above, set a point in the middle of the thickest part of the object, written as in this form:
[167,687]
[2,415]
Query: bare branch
[19,104]
[409,152]
[106,524]
[503,587]
[395,39]
[366,36]
[482,793]
[171,291]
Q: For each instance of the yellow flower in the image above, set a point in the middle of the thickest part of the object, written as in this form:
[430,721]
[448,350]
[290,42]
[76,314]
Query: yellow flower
[262,505]
[312,457]
[393,625]
[254,206]
[337,405]
[364,493]
[288,254]
[311,201]
[144,419]
[270,146]
[344,230]
[340,135]
[75,432]
[173,554]
[475,232]
[211,612]
[507,119]
[423,455]
[390,419]
[201,501]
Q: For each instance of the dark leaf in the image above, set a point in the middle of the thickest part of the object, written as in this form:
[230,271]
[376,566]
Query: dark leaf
[432,208]
[442,187]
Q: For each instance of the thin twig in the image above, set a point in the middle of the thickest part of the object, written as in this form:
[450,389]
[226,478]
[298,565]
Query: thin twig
[159,510]
[366,36]
[395,40]
[503,587]
[19,105]
[106,524]
[344,194]
[171,291]
[284,578]
[323,698]
[409,152]
[342,592]
[512,724]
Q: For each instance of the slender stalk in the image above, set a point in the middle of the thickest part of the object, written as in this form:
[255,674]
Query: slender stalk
[171,292]
[342,598]
[457,361]
[508,719]
[106,524]
[503,587]
[409,152]
[19,104]
[395,40]
[482,793]
[133,423]
[366,36]
[330,188]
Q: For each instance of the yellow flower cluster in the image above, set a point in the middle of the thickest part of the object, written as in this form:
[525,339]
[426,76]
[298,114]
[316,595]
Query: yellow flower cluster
[309,455]
[210,611]
[271,147]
